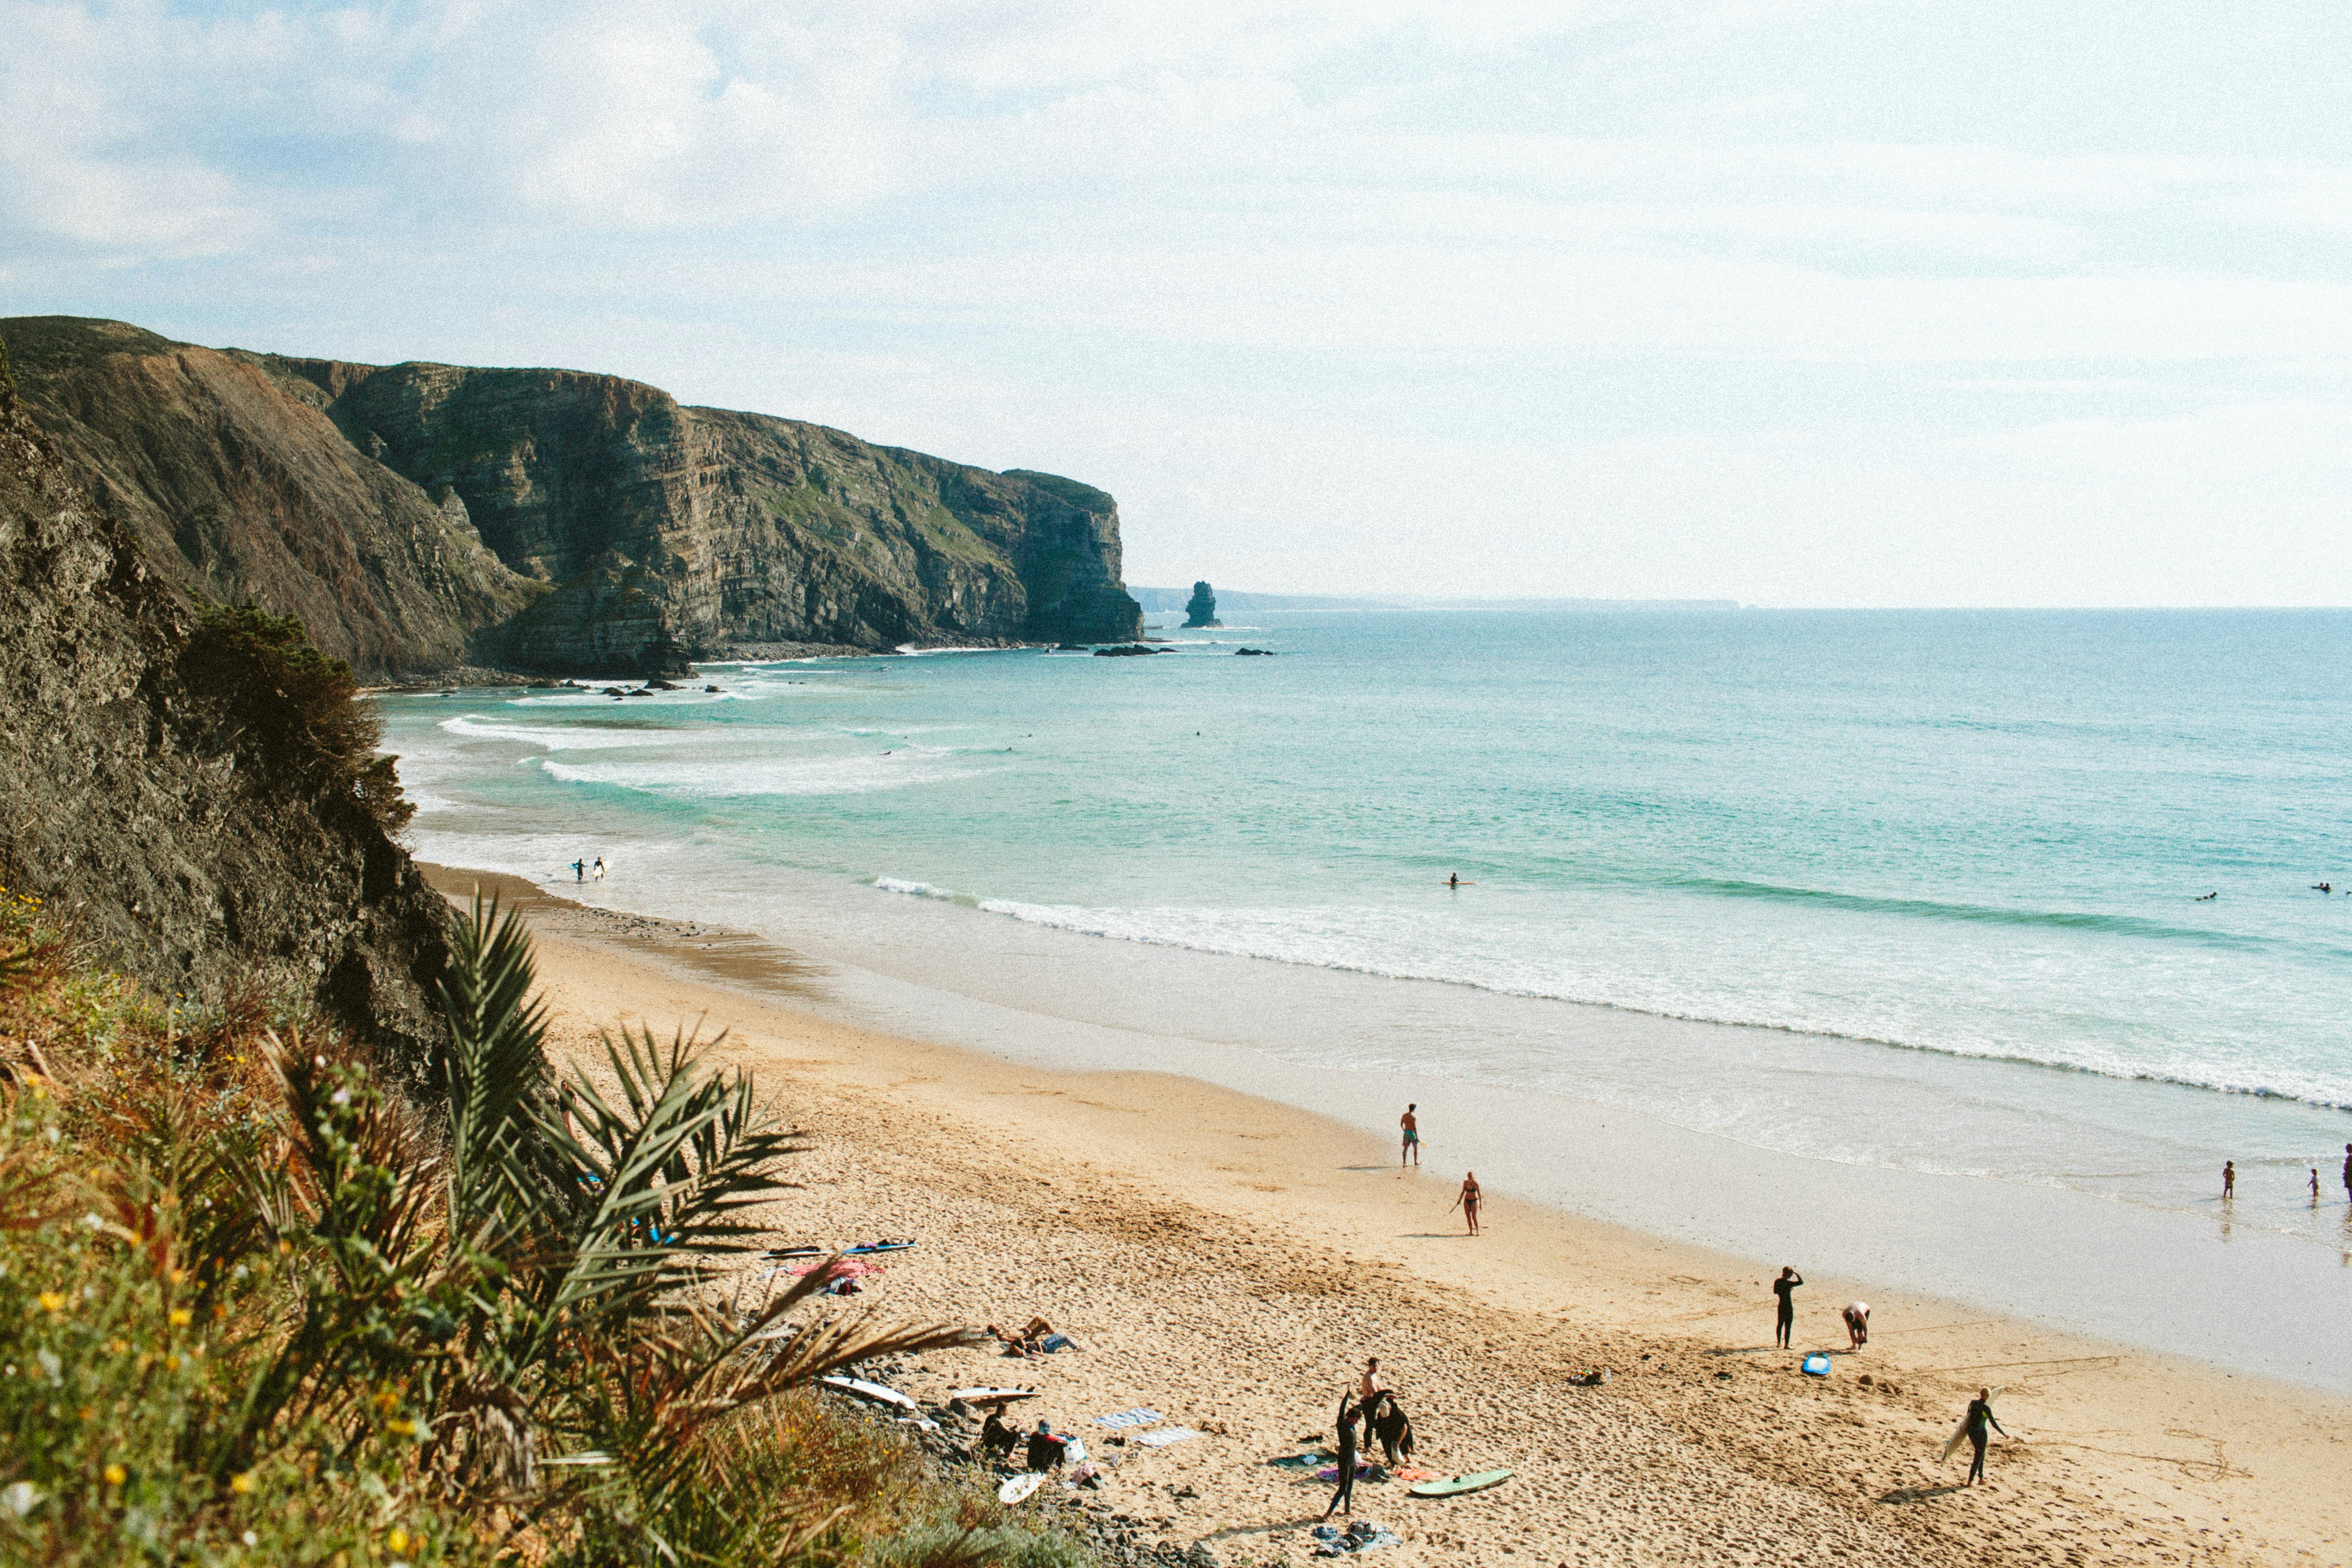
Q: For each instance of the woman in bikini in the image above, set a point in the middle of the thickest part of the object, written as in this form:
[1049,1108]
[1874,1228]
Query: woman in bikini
[1469,1199]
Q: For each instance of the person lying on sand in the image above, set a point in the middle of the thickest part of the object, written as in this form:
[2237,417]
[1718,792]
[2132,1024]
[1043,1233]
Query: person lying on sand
[1013,1343]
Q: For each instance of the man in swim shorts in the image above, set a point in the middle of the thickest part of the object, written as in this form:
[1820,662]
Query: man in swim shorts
[1411,1125]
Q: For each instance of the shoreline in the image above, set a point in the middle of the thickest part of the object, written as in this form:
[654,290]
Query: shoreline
[2146,1453]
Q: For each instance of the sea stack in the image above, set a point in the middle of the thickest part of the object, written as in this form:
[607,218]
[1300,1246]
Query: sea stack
[1202,610]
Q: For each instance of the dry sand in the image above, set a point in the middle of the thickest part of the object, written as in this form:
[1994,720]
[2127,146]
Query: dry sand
[1230,1262]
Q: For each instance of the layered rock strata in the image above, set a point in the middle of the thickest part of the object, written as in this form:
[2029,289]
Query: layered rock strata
[423,516]
[154,815]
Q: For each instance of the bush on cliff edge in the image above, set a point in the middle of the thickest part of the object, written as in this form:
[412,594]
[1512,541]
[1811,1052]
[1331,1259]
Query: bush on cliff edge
[299,704]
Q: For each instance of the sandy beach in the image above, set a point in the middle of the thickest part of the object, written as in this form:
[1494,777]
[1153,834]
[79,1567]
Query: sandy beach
[1229,1262]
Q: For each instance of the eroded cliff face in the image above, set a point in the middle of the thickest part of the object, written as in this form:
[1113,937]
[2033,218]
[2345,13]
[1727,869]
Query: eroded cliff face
[704,528]
[149,809]
[238,486]
[422,516]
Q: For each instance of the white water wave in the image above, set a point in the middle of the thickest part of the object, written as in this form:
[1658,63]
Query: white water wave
[769,776]
[571,739]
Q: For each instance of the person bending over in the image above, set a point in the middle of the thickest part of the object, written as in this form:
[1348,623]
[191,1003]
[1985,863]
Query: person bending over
[1857,1324]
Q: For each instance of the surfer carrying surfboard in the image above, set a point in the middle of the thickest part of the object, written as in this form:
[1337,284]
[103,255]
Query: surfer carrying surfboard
[1979,1418]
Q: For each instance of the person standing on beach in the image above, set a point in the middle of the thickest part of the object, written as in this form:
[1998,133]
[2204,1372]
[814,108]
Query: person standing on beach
[1469,1199]
[1411,1125]
[1369,1388]
[1344,1495]
[1784,1323]
[2348,1171]
[2229,1180]
[1979,1418]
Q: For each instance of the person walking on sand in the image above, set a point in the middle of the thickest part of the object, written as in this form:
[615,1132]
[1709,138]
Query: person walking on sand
[1784,1322]
[1469,1199]
[2229,1180]
[1857,1324]
[1344,1495]
[1412,1126]
[1979,1418]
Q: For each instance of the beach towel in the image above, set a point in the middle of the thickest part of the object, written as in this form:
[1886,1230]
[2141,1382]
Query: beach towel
[1361,1536]
[1138,1416]
[1366,1470]
[1299,1461]
[1165,1436]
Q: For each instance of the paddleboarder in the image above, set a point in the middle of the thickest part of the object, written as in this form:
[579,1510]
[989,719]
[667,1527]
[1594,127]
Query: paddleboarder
[1979,1418]
[1784,1321]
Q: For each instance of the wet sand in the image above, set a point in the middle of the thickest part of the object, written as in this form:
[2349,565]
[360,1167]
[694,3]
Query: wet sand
[1228,1261]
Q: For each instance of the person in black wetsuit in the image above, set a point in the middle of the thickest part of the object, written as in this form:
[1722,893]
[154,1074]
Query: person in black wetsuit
[1784,1324]
[2347,1173]
[1345,1496]
[1979,1416]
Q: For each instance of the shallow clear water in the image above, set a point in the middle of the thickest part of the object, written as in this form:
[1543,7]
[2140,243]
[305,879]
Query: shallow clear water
[1951,862]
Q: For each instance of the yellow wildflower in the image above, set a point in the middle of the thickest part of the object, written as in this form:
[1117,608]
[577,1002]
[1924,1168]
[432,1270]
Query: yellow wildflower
[241,1484]
[386,1401]
[397,1540]
[403,1428]
[116,1475]
[180,1317]
[170,1363]
[52,1302]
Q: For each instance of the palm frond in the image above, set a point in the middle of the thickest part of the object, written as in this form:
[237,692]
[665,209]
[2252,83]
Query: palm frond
[495,1066]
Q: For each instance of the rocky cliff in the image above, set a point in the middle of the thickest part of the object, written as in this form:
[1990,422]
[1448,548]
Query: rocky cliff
[554,521]
[165,814]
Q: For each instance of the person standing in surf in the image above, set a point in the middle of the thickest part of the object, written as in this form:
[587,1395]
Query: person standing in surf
[1979,1418]
[1467,1198]
[2229,1180]
[1785,1320]
[1412,1126]
[2347,1173]
[580,870]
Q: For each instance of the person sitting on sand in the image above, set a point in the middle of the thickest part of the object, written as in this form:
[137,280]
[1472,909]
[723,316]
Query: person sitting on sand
[995,1436]
[1857,1324]
[1784,1320]
[1469,1199]
[1045,1450]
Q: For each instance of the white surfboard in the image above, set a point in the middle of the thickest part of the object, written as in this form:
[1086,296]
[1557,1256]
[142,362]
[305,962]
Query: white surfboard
[1018,1488]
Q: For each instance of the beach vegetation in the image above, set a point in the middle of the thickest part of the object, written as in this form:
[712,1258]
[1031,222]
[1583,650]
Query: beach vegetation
[257,1305]
[299,704]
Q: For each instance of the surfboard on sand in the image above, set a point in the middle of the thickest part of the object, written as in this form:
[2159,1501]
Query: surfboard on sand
[874,1392]
[1960,1433]
[1018,1488]
[991,1395]
[1462,1486]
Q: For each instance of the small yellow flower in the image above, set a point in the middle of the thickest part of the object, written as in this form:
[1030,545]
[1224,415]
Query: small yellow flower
[401,1428]
[116,1475]
[180,1317]
[170,1363]
[179,1277]
[220,1310]
[386,1401]
[397,1540]
[241,1484]
[52,1302]
[85,1413]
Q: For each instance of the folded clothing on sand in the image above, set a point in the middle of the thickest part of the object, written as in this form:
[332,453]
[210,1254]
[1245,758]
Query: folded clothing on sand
[1361,1536]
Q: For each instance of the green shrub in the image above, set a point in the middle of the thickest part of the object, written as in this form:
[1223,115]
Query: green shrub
[299,705]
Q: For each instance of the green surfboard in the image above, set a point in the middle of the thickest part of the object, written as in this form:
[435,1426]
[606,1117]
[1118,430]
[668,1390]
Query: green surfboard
[1461,1486]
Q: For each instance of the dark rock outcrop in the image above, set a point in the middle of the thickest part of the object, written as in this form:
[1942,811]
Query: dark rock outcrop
[420,517]
[1200,610]
[155,811]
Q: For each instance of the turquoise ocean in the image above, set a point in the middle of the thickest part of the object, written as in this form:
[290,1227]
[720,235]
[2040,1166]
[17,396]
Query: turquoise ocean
[1947,872]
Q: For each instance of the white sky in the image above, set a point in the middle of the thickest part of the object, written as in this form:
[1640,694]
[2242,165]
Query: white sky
[1798,303]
